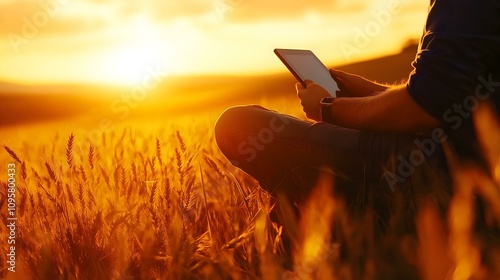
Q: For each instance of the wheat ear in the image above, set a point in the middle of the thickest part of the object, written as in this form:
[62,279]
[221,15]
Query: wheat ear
[69,150]
[91,156]
[12,154]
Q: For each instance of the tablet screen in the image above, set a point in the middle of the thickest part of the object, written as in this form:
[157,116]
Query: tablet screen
[306,66]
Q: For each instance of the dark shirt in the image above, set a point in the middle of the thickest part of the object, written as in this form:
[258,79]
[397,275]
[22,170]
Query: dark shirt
[457,65]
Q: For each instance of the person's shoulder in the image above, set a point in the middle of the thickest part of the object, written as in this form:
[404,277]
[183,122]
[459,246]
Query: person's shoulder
[464,17]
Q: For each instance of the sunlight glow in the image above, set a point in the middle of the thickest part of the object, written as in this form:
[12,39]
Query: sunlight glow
[117,41]
[129,63]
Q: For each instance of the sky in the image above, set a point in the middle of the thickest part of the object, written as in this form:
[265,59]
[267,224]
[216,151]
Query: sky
[121,41]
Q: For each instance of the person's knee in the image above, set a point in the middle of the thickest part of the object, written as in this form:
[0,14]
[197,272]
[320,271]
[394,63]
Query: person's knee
[226,124]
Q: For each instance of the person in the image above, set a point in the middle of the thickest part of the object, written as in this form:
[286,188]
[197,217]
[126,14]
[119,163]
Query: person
[374,134]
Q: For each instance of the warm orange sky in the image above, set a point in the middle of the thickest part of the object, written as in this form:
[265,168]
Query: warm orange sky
[119,41]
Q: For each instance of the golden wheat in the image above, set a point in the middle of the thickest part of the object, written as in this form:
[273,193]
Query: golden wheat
[158,205]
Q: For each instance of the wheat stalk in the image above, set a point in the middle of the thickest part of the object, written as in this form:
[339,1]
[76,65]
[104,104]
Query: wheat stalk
[59,188]
[144,163]
[12,154]
[240,189]
[123,175]
[189,195]
[129,191]
[152,195]
[116,223]
[70,194]
[104,174]
[83,174]
[214,166]
[24,173]
[80,196]
[116,175]
[167,195]
[69,150]
[37,176]
[134,171]
[91,156]
[178,160]
[96,225]
[206,203]
[181,141]
[32,201]
[49,196]
[41,204]
[151,163]
[51,172]
[158,151]
[91,199]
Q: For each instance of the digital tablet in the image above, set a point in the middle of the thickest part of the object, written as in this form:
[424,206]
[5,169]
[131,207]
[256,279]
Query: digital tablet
[304,65]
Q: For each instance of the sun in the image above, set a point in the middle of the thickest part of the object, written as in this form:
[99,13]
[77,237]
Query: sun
[132,60]
[131,63]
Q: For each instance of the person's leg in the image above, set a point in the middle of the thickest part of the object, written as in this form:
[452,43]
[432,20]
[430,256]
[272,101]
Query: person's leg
[285,154]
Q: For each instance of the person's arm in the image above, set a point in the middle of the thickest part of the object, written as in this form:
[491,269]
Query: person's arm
[391,110]
[355,86]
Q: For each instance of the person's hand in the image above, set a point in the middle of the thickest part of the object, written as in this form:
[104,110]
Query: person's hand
[310,98]
[355,86]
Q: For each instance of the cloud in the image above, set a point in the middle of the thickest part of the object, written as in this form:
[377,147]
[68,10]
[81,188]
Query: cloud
[159,10]
[46,18]
[239,11]
[247,11]
[69,25]
[69,17]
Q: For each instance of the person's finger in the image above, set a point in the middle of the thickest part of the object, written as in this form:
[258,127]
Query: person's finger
[301,92]
[298,86]
[340,78]
[308,82]
[338,74]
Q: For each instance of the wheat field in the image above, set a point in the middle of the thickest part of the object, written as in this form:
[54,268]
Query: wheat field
[161,202]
